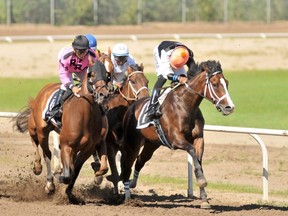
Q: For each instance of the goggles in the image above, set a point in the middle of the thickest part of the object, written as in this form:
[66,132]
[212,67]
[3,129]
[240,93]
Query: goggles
[81,51]
[121,59]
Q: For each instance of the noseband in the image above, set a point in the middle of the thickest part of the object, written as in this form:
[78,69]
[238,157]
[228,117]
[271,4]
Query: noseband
[215,99]
[94,90]
[134,91]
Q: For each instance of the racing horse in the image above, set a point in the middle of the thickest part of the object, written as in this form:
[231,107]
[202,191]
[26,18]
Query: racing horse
[104,63]
[84,128]
[180,126]
[134,87]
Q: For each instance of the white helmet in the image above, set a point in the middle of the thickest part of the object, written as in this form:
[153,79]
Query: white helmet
[120,49]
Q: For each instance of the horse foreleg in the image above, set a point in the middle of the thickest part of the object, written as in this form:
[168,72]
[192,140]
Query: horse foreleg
[50,186]
[145,155]
[79,161]
[57,163]
[37,166]
[114,177]
[201,181]
[102,153]
[66,159]
[199,150]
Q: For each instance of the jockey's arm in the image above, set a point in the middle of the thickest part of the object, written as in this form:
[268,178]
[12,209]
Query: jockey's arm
[177,78]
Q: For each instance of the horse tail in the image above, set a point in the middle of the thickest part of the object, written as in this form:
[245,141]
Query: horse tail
[21,120]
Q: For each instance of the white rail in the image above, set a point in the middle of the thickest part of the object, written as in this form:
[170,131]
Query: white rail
[52,38]
[254,132]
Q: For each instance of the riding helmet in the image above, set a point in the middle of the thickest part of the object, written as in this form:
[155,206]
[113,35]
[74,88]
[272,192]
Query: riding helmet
[120,49]
[80,42]
[179,57]
[92,41]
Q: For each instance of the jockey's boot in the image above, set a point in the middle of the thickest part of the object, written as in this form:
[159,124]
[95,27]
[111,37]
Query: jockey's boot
[54,114]
[152,112]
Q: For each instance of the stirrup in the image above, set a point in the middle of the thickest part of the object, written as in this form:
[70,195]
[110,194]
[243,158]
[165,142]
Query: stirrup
[56,123]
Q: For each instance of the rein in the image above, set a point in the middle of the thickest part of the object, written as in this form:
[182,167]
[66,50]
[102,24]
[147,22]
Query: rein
[134,91]
[208,85]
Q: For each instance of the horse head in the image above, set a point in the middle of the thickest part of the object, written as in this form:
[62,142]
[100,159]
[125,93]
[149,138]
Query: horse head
[136,84]
[97,82]
[214,85]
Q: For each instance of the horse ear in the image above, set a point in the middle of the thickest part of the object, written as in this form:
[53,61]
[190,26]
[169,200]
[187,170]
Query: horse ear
[129,69]
[109,52]
[142,67]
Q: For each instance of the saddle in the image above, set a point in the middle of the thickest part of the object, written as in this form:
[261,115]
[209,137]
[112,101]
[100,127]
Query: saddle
[144,122]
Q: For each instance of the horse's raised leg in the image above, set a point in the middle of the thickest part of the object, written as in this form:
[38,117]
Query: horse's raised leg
[102,153]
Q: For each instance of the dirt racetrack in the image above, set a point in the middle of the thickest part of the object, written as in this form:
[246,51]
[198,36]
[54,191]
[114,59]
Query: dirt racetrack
[230,161]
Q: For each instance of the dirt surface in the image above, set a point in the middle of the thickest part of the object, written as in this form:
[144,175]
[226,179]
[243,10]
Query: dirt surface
[232,159]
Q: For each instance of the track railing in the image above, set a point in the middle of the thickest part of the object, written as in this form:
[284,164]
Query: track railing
[254,132]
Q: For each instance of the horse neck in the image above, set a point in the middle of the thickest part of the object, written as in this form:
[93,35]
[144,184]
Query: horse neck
[84,90]
[191,99]
[128,92]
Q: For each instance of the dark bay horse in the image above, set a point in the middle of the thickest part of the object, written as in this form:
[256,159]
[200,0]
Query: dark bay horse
[181,121]
[84,129]
[134,87]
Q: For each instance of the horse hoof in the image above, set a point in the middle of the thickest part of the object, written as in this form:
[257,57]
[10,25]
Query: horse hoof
[37,169]
[75,201]
[98,180]
[50,188]
[101,172]
[202,182]
[205,205]
[95,166]
[64,180]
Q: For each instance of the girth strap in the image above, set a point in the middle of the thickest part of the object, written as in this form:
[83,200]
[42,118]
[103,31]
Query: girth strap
[161,134]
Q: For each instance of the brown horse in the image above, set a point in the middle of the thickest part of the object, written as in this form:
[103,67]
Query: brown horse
[83,124]
[134,87]
[180,126]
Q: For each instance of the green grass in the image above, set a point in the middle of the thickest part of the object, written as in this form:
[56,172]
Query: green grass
[15,93]
[181,183]
[260,98]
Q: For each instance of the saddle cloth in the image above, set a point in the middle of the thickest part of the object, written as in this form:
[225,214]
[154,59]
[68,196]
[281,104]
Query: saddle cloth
[143,121]
[49,104]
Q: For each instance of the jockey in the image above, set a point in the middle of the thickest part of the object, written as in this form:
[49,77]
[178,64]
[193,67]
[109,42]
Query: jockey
[75,58]
[169,58]
[93,43]
[121,59]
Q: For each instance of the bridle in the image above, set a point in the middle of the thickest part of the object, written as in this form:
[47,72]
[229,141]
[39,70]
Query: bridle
[134,91]
[215,99]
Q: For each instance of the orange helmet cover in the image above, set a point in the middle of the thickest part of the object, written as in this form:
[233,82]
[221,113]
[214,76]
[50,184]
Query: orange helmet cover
[179,57]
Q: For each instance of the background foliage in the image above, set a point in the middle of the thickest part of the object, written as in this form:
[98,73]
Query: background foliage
[111,12]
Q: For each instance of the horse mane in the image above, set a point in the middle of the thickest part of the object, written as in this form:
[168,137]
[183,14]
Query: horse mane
[136,67]
[210,66]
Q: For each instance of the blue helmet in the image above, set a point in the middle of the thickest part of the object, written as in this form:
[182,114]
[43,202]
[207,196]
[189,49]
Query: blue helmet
[92,41]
